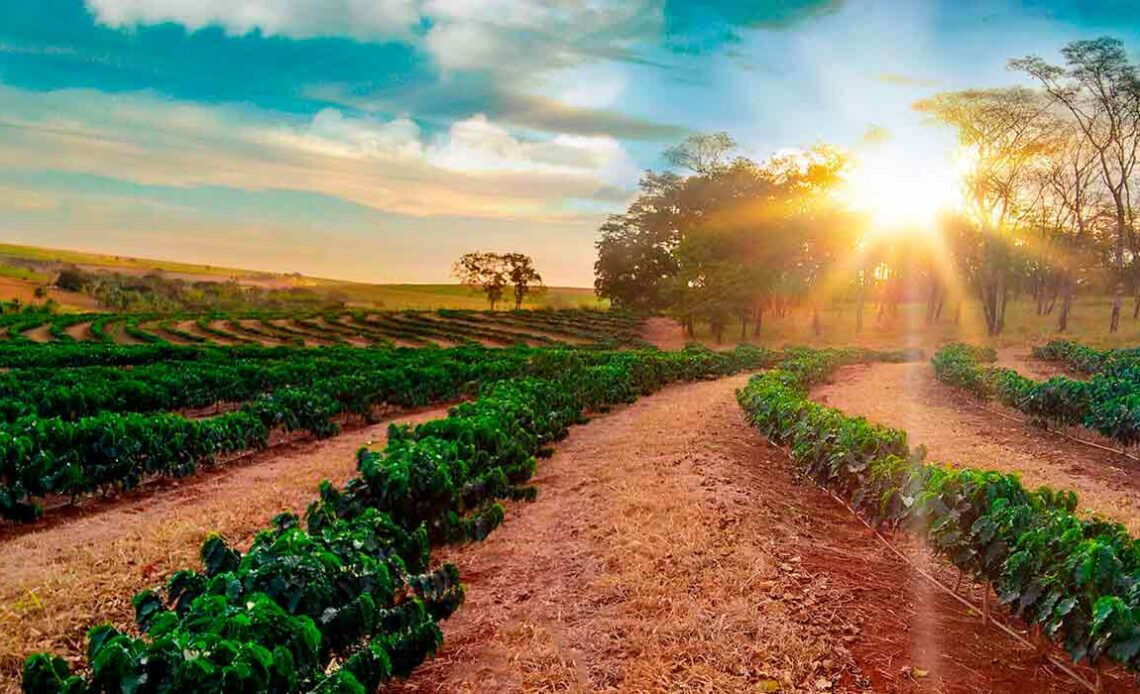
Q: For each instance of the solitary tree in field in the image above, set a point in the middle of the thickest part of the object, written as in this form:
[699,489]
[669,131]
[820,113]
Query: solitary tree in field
[522,275]
[492,273]
[1100,88]
[487,272]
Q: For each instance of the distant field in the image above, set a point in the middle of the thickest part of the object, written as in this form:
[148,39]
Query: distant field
[23,268]
[432,296]
[122,263]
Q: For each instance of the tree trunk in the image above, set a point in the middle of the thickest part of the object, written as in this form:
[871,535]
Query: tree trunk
[1066,305]
[1117,304]
[759,319]
[815,328]
[1118,298]
[999,304]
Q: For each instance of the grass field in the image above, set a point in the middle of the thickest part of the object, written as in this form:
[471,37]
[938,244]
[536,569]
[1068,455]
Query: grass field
[23,268]
[59,256]
[434,296]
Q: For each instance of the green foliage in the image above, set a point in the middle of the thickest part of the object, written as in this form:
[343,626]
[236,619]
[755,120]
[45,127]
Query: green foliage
[344,601]
[111,431]
[1108,402]
[1073,575]
[156,292]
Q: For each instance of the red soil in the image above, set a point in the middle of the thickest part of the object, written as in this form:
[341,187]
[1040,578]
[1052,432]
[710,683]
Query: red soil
[671,549]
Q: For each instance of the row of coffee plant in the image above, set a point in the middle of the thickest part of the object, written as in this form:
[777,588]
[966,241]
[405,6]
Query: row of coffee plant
[340,327]
[344,599]
[1073,575]
[1108,402]
[1089,360]
[111,450]
[221,376]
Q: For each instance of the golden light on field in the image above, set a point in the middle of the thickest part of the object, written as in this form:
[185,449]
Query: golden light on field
[902,192]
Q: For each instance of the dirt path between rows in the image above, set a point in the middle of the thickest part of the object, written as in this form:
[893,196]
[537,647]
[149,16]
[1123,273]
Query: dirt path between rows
[663,333]
[956,430]
[1021,359]
[57,582]
[670,549]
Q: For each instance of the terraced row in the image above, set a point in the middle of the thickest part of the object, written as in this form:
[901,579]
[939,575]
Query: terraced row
[444,328]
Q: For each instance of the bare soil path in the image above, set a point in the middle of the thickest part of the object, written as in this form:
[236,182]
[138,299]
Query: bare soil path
[40,333]
[80,331]
[58,581]
[670,549]
[956,430]
[663,333]
[1021,359]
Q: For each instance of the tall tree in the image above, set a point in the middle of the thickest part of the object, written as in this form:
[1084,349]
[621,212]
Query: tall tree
[486,272]
[522,275]
[1071,198]
[635,250]
[1100,88]
[1002,131]
[701,153]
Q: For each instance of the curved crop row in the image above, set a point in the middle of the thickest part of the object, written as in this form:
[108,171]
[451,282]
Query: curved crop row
[1108,402]
[1072,575]
[1090,360]
[53,456]
[541,327]
[342,601]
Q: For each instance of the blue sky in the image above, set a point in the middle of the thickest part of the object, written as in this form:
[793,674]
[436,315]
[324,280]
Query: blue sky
[377,140]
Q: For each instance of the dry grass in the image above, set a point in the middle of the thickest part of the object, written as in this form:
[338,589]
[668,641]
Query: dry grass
[57,581]
[643,567]
[955,430]
[1088,322]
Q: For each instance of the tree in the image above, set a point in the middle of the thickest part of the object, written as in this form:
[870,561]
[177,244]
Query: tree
[635,250]
[1069,202]
[1100,88]
[1003,131]
[521,273]
[72,279]
[701,153]
[486,272]
[724,242]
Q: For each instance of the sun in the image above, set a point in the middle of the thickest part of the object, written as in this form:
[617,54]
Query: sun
[902,192]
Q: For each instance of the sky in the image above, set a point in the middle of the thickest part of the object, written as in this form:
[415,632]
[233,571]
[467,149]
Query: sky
[378,140]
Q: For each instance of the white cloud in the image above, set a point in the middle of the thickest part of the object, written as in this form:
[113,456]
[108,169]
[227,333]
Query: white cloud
[506,35]
[332,133]
[361,19]
[475,169]
[476,144]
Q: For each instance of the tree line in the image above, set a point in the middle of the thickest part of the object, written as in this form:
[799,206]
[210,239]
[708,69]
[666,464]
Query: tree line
[1049,184]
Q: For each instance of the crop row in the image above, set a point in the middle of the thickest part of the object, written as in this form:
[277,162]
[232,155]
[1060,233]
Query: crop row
[343,599]
[1088,360]
[610,329]
[53,456]
[1074,576]
[1108,402]
[77,392]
